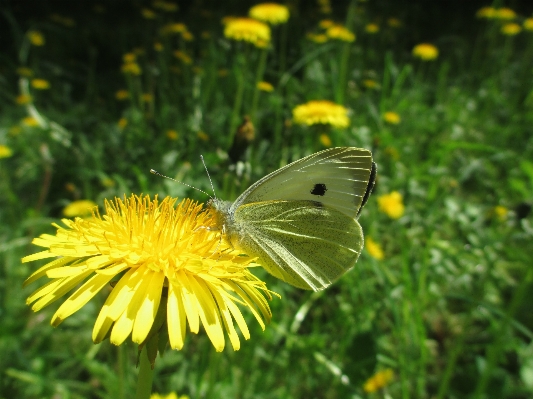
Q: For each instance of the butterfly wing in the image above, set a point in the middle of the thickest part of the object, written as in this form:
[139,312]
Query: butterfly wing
[304,243]
[337,177]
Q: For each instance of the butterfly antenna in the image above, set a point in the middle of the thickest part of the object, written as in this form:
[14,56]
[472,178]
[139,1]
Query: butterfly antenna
[209,176]
[155,172]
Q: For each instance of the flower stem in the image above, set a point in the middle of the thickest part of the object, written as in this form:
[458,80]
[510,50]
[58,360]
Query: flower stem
[145,378]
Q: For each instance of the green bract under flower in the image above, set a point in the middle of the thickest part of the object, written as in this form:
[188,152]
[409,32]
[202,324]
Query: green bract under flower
[157,255]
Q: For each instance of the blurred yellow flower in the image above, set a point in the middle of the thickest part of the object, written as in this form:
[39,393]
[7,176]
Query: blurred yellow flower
[500,212]
[248,29]
[326,23]
[172,134]
[394,22]
[528,24]
[370,84]
[202,136]
[131,68]
[317,38]
[129,57]
[147,97]
[5,151]
[392,204]
[36,38]
[40,84]
[165,6]
[180,55]
[148,13]
[321,112]
[174,28]
[511,29]
[486,12]
[187,36]
[265,86]
[107,182]
[153,251]
[372,28]
[378,381]
[171,395]
[392,117]
[339,32]
[374,249]
[70,187]
[122,123]
[271,13]
[81,208]
[26,72]
[325,140]
[23,99]
[425,51]
[122,95]
[505,14]
[30,121]
[158,46]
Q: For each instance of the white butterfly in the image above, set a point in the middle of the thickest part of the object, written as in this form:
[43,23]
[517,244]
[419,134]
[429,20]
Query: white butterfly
[301,220]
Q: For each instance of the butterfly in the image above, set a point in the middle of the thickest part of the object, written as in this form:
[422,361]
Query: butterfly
[300,221]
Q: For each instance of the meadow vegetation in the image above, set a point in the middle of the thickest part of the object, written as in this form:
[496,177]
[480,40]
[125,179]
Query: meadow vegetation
[96,95]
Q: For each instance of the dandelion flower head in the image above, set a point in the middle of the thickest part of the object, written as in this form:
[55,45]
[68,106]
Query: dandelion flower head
[378,381]
[392,117]
[528,24]
[511,29]
[249,30]
[36,38]
[339,32]
[5,151]
[425,51]
[372,28]
[265,86]
[392,204]
[40,84]
[161,258]
[79,208]
[321,112]
[374,249]
[271,13]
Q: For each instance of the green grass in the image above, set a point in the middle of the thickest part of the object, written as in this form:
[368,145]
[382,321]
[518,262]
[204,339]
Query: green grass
[447,309]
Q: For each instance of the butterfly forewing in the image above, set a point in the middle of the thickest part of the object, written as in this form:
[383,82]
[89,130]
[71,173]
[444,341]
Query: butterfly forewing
[301,242]
[336,177]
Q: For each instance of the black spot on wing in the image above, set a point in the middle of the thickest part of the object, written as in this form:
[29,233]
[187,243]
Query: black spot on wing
[319,189]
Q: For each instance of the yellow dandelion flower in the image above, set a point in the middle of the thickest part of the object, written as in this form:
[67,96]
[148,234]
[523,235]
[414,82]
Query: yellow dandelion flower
[122,95]
[171,395]
[321,112]
[158,46]
[23,99]
[500,212]
[129,57]
[392,117]
[122,123]
[148,13]
[40,84]
[172,134]
[71,187]
[265,86]
[511,29]
[166,6]
[394,22]
[248,29]
[339,32]
[14,130]
[157,254]
[378,381]
[81,208]
[486,12]
[173,28]
[202,136]
[326,23]
[317,38]
[5,151]
[36,38]
[370,84]
[107,182]
[374,249]
[271,13]
[528,24]
[30,121]
[325,140]
[131,68]
[147,97]
[505,13]
[25,72]
[180,55]
[372,28]
[425,51]
[392,204]
[187,36]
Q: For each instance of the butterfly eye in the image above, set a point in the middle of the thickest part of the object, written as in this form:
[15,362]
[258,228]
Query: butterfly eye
[319,189]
